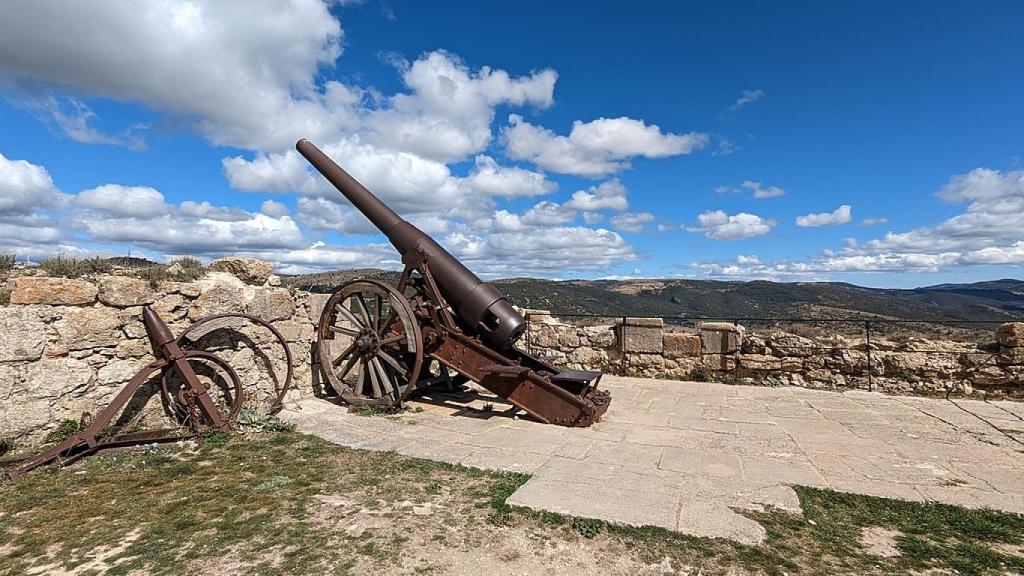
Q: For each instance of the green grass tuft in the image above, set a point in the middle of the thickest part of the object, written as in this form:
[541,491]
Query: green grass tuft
[588,527]
[70,267]
[65,429]
[7,262]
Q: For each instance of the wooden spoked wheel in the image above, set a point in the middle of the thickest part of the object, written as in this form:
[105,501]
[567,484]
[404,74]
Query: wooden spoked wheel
[369,344]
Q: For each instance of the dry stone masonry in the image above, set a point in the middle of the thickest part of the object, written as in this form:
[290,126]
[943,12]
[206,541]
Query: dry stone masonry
[68,345]
[726,352]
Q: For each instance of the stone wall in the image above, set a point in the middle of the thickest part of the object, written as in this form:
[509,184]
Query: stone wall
[67,346]
[729,353]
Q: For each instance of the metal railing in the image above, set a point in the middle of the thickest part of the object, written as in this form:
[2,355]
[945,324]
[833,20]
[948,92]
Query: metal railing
[977,336]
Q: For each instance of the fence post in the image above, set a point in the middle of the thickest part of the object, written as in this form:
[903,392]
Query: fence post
[736,355]
[867,345]
[529,328]
[622,345]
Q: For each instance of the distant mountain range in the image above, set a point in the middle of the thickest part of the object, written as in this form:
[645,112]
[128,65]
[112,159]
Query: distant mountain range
[992,300]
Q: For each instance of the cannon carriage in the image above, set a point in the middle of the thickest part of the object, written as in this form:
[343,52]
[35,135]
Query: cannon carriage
[378,345]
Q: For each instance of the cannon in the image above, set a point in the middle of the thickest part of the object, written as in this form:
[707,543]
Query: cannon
[374,341]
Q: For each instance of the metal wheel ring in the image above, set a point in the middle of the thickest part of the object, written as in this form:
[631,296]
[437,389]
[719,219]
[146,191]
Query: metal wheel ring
[236,382]
[408,322]
[280,390]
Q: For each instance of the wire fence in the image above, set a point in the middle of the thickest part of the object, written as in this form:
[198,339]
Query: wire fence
[973,342]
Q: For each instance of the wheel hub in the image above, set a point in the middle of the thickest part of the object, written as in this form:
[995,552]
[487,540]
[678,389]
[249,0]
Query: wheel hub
[366,343]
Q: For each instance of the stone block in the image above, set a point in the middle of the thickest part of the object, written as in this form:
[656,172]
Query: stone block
[86,328]
[219,298]
[59,378]
[133,348]
[22,333]
[1010,357]
[681,345]
[991,376]
[587,358]
[118,372]
[646,322]
[122,291]
[645,364]
[791,364]
[46,290]
[248,270]
[271,304]
[295,331]
[642,335]
[719,361]
[720,337]
[599,336]
[316,306]
[568,339]
[760,362]
[786,344]
[1011,335]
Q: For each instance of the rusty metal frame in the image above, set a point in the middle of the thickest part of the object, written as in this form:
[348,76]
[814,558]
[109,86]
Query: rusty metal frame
[171,358]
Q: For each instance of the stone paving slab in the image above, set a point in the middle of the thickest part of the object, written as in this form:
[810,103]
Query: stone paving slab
[686,455]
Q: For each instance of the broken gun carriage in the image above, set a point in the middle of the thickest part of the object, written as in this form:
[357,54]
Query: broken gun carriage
[374,342]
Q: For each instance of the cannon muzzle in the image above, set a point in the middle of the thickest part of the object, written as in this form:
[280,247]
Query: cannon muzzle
[479,306]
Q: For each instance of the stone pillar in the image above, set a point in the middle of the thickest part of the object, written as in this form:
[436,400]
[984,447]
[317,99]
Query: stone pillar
[642,336]
[720,344]
[1010,337]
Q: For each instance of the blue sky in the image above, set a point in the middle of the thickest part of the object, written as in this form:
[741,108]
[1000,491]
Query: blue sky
[870,142]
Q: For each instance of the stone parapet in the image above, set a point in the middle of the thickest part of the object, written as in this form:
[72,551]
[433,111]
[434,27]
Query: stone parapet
[730,353]
[68,345]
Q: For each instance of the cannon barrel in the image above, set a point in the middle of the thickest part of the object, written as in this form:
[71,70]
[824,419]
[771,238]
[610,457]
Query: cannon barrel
[480,306]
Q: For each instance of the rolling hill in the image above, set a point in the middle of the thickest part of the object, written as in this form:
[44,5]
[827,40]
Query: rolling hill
[992,300]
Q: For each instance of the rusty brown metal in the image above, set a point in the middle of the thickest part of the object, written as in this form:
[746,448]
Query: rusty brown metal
[460,321]
[280,388]
[192,400]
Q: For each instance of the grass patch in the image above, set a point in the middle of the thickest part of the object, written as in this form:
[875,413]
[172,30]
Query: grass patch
[254,420]
[373,410]
[184,269]
[66,429]
[70,267]
[588,527]
[286,503]
[187,269]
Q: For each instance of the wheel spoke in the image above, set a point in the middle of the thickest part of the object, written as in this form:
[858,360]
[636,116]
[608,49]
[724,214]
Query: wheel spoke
[348,367]
[374,380]
[345,354]
[389,382]
[398,368]
[379,313]
[342,330]
[349,316]
[364,310]
[392,339]
[361,379]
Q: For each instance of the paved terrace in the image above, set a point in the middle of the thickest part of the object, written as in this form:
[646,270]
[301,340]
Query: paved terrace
[685,455]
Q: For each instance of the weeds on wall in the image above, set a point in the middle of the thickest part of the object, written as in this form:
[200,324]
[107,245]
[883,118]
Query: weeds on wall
[70,267]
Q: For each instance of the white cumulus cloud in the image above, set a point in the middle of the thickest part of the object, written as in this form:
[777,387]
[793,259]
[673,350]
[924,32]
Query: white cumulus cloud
[600,147]
[718,225]
[490,179]
[632,221]
[243,73]
[836,217]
